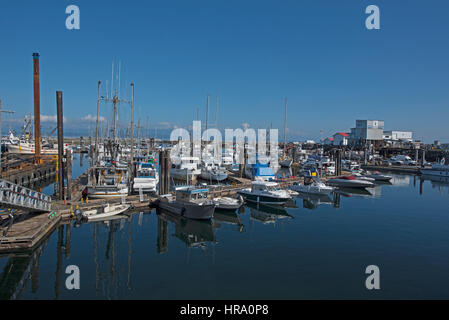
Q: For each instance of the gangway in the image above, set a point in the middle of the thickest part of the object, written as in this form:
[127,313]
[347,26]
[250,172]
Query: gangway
[14,196]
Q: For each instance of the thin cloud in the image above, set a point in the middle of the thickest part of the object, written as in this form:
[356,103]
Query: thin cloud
[90,117]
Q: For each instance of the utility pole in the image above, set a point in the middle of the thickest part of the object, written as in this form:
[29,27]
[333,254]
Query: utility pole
[5,111]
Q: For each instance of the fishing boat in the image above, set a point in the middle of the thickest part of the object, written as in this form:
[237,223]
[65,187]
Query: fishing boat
[106,182]
[105,212]
[189,202]
[265,192]
[316,187]
[185,168]
[213,172]
[349,182]
[146,179]
[25,147]
[227,203]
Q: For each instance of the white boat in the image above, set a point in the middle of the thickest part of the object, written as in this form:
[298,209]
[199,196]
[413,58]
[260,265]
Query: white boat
[360,176]
[265,192]
[213,172]
[29,148]
[186,168]
[439,170]
[105,212]
[227,203]
[107,182]
[146,179]
[377,176]
[349,182]
[316,187]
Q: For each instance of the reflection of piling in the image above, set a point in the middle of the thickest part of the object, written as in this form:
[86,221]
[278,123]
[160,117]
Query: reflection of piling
[68,236]
[162,235]
[164,172]
[59,261]
[421,182]
[336,200]
[60,145]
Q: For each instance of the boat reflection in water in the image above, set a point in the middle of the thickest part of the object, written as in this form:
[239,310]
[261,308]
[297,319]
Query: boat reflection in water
[313,201]
[360,192]
[193,232]
[267,214]
[440,183]
[228,217]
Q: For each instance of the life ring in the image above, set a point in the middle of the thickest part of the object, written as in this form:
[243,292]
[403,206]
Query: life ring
[443,161]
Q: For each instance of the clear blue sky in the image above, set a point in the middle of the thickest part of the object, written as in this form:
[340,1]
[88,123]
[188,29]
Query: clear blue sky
[251,53]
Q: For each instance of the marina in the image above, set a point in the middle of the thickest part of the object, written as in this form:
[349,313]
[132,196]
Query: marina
[269,151]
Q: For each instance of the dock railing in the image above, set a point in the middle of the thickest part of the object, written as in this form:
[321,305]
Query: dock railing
[18,197]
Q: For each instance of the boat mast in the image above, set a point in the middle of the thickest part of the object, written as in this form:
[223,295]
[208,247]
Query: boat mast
[285,125]
[216,112]
[207,110]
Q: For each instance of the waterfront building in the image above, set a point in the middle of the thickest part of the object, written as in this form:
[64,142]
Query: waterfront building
[367,132]
[341,139]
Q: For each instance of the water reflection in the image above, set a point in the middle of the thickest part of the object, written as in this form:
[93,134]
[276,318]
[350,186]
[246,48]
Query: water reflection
[267,214]
[18,271]
[108,252]
[192,232]
[229,217]
[313,201]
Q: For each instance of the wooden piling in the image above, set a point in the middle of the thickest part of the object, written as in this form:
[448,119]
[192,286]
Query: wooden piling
[60,145]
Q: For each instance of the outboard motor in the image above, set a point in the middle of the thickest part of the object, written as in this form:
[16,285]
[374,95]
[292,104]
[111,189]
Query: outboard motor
[78,215]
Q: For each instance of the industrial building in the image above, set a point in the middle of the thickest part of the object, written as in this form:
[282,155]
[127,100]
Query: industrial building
[367,132]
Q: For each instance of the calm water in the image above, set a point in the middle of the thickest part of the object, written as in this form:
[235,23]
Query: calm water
[316,248]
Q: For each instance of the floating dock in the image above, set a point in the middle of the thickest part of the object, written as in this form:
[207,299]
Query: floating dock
[393,169]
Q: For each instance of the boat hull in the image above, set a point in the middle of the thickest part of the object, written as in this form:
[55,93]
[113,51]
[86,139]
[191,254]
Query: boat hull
[435,172]
[106,193]
[263,199]
[188,210]
[93,215]
[350,183]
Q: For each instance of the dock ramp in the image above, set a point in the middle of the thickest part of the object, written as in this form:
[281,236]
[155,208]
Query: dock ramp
[14,196]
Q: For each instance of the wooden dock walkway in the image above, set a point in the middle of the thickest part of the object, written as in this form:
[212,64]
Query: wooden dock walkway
[27,231]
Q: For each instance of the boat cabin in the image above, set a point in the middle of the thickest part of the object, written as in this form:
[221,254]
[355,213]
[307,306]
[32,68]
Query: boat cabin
[192,194]
[146,170]
[259,186]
